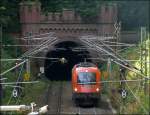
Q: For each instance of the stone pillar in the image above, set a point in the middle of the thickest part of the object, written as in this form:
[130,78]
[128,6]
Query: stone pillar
[107,18]
[29,14]
[57,16]
[68,15]
[50,16]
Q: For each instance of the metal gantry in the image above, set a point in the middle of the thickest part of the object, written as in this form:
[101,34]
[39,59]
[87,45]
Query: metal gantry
[47,41]
[102,47]
[144,54]
[117,33]
[144,51]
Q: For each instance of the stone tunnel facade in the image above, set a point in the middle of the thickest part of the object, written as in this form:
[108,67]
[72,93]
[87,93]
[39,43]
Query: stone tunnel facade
[65,23]
[68,26]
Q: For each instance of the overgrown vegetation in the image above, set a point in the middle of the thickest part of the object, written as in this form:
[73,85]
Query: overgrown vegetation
[29,92]
[137,100]
[7,44]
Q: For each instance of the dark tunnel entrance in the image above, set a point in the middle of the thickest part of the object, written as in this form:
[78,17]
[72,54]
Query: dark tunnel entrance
[55,69]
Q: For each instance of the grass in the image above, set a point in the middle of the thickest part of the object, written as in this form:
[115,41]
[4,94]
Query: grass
[33,92]
[10,76]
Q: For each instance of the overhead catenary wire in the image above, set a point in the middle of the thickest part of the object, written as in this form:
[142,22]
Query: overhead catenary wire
[15,83]
[26,82]
[122,49]
[117,60]
[104,44]
[100,49]
[12,68]
[49,36]
[111,54]
[34,36]
[113,81]
[41,47]
[119,43]
[10,59]
[14,86]
[18,77]
[43,57]
[18,83]
[120,57]
[129,69]
[3,78]
[28,52]
[11,96]
[32,50]
[21,45]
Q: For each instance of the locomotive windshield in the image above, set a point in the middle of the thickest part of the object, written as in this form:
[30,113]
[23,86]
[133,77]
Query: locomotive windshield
[86,78]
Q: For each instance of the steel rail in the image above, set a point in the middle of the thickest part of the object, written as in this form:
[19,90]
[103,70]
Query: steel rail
[59,99]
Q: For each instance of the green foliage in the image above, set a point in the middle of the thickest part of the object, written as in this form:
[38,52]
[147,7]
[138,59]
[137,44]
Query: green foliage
[142,94]
[134,14]
[131,13]
[9,13]
[11,50]
[87,8]
[8,53]
[11,77]
[33,92]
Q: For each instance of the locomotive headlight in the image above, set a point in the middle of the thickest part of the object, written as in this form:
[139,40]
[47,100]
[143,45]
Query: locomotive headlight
[75,89]
[97,89]
[63,60]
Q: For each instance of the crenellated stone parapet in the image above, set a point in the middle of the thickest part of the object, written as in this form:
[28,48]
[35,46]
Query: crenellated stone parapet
[34,21]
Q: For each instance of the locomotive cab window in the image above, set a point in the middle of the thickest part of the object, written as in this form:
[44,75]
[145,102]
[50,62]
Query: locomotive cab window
[86,78]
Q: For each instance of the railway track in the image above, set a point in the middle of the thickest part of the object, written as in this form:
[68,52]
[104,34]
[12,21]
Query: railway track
[60,102]
[54,95]
[59,98]
[87,111]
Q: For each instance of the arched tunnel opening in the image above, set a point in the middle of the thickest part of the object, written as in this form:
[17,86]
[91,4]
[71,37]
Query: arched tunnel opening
[55,69]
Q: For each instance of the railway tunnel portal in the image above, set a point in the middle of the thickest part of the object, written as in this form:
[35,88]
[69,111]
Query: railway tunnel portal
[61,59]
[68,26]
[58,59]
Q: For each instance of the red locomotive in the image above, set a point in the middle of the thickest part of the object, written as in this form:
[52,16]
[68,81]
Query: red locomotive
[86,86]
